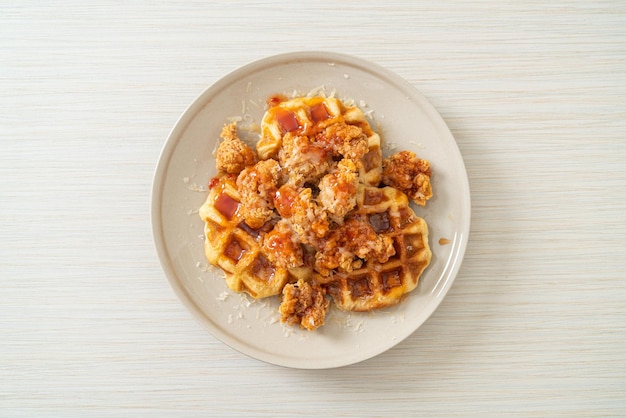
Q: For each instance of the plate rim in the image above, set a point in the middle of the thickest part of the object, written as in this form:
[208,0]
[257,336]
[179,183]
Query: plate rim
[174,137]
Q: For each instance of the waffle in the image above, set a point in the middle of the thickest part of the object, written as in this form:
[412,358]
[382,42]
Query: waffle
[377,285]
[307,116]
[234,247]
[328,229]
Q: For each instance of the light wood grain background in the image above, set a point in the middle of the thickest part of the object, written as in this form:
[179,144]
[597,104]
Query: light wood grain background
[535,94]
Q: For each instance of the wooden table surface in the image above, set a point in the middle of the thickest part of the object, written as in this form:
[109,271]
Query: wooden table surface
[535,95]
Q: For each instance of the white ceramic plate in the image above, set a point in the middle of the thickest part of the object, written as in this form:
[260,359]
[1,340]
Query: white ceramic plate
[403,118]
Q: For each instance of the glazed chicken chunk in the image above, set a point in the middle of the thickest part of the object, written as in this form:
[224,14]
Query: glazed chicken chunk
[410,174]
[233,155]
[304,304]
[338,189]
[348,141]
[346,246]
[257,185]
[282,247]
[306,216]
[303,159]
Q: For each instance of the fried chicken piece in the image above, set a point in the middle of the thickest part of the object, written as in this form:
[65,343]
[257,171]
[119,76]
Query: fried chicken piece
[346,140]
[338,189]
[346,246]
[304,304]
[304,160]
[409,174]
[281,246]
[257,185]
[233,155]
[307,218]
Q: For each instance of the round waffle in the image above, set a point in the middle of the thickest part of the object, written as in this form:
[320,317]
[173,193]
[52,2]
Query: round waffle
[377,285]
[235,247]
[307,116]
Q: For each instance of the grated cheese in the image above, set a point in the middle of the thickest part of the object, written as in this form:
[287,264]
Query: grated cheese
[234,119]
[196,188]
[317,91]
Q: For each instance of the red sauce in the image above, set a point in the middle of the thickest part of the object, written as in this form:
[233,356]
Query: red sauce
[319,113]
[284,200]
[234,250]
[343,188]
[226,205]
[287,120]
[254,233]
[213,182]
[360,287]
[275,100]
[391,279]
[380,222]
[277,242]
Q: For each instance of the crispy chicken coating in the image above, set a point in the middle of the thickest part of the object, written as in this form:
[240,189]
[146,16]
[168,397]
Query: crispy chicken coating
[409,174]
[338,189]
[303,159]
[304,304]
[257,185]
[346,246]
[233,155]
[281,246]
[307,218]
[346,140]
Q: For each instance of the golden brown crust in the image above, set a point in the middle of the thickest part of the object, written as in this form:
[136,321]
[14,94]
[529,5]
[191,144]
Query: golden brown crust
[304,160]
[338,189]
[257,185]
[304,304]
[281,246]
[347,246]
[409,174]
[306,216]
[233,155]
[346,140]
